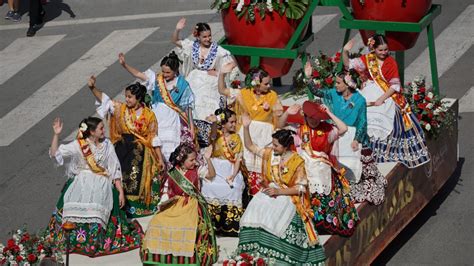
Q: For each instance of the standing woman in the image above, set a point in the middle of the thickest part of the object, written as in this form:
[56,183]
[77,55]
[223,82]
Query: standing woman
[395,133]
[89,200]
[349,105]
[261,103]
[133,130]
[203,61]
[277,223]
[172,102]
[224,192]
[182,232]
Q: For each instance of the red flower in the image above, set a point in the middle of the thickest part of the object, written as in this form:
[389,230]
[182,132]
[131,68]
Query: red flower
[418,116]
[25,238]
[430,115]
[337,57]
[246,2]
[10,243]
[428,99]
[416,97]
[19,258]
[434,123]
[245,264]
[422,105]
[32,258]
[422,89]
[260,262]
[315,74]
[40,247]
[329,81]
[129,239]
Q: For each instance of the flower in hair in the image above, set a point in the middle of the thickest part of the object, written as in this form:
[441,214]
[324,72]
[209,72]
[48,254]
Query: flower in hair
[348,80]
[83,127]
[255,80]
[371,42]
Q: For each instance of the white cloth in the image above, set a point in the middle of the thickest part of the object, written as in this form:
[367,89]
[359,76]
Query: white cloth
[261,134]
[274,215]
[89,198]
[106,107]
[169,124]
[319,173]
[348,158]
[218,190]
[379,118]
[203,85]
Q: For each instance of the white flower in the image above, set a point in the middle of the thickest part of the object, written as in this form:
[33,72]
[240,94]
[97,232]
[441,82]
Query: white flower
[428,127]
[239,6]
[16,237]
[26,264]
[430,95]
[83,127]
[414,91]
[1,247]
[21,247]
[269,5]
[429,106]
[224,1]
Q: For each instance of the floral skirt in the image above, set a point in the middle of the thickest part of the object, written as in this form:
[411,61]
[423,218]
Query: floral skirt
[132,157]
[335,213]
[291,249]
[405,146]
[371,186]
[254,182]
[225,218]
[92,239]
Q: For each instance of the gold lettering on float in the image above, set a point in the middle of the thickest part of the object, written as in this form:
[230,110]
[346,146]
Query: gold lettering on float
[374,224]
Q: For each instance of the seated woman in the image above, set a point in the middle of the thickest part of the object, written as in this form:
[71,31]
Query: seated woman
[394,131]
[277,223]
[181,232]
[264,108]
[224,192]
[349,105]
[89,200]
[133,130]
[334,210]
[172,102]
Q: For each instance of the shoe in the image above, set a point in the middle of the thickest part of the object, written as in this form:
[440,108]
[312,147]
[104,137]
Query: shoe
[32,30]
[16,17]
[9,14]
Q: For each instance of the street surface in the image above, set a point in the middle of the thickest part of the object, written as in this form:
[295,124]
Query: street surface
[45,77]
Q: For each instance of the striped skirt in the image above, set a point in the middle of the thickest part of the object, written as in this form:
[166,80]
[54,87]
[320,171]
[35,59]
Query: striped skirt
[405,146]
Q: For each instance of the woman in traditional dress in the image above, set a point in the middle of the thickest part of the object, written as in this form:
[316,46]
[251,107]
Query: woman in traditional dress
[277,223]
[349,105]
[224,192]
[89,200]
[334,210]
[172,102]
[133,131]
[182,232]
[394,131]
[264,108]
[203,59]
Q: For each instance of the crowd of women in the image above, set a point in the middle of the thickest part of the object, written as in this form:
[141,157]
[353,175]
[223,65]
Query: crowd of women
[205,159]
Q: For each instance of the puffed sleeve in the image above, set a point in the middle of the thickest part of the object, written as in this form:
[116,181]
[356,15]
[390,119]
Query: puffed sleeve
[113,163]
[150,80]
[187,47]
[65,151]
[224,57]
[357,64]
[106,106]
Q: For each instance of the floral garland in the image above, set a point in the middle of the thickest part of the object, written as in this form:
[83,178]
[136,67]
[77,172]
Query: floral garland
[26,249]
[245,259]
[431,111]
[292,9]
[209,59]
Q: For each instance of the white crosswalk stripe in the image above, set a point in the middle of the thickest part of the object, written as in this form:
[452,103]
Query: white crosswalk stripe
[54,93]
[22,52]
[451,44]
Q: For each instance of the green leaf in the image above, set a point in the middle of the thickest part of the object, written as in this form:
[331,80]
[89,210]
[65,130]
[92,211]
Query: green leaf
[295,9]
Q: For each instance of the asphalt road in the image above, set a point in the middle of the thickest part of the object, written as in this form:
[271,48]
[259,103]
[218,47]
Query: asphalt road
[45,76]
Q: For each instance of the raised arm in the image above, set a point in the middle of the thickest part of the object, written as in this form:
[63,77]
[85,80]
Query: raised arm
[175,37]
[247,138]
[341,126]
[345,53]
[211,172]
[57,128]
[95,91]
[221,85]
[292,110]
[137,74]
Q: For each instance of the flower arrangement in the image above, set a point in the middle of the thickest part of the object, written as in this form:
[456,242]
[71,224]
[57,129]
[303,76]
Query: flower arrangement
[292,9]
[25,249]
[430,110]
[245,259]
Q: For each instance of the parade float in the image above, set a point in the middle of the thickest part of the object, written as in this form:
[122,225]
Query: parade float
[408,190]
